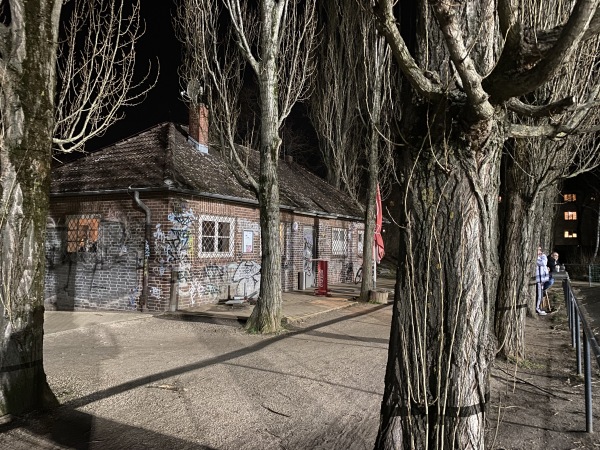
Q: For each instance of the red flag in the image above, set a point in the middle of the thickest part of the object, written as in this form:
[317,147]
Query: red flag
[378,227]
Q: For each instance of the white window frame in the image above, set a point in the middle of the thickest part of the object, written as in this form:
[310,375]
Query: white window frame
[215,236]
[339,246]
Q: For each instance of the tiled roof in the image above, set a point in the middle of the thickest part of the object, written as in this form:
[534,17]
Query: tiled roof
[163,152]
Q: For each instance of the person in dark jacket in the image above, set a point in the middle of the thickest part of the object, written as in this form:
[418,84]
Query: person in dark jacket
[552,269]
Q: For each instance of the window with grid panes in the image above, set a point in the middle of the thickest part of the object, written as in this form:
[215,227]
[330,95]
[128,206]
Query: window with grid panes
[338,241]
[570,215]
[216,236]
[82,233]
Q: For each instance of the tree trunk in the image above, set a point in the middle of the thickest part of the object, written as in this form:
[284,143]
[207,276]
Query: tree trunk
[368,262]
[266,316]
[514,292]
[374,50]
[441,348]
[528,212]
[597,235]
[25,156]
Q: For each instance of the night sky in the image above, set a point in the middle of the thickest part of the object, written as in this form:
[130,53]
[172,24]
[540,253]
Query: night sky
[163,103]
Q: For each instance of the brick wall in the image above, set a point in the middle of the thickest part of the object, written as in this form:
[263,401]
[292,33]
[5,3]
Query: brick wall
[111,276]
[202,277]
[108,276]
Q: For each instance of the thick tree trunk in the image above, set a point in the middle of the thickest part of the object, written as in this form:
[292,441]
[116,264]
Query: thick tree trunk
[266,316]
[514,291]
[528,212]
[441,347]
[374,49]
[25,156]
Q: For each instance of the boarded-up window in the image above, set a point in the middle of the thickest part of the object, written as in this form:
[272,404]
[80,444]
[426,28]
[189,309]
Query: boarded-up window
[82,233]
[216,236]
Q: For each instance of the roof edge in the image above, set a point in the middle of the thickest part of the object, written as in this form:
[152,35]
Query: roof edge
[293,209]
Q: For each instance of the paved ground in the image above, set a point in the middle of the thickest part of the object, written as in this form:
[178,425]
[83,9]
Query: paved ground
[589,299]
[298,306]
[148,382]
[139,381]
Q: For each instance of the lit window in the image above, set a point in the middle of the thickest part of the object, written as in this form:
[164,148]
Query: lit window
[338,241]
[82,233]
[216,236]
[570,215]
[570,235]
[570,197]
[360,242]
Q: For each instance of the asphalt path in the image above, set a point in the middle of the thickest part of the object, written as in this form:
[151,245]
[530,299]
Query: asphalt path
[158,384]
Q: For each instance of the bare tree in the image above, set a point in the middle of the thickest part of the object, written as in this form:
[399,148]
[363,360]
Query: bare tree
[334,102]
[462,64]
[28,58]
[274,41]
[552,142]
[376,73]
[350,107]
[96,77]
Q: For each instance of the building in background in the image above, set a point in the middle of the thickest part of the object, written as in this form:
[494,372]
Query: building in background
[576,225]
[129,220]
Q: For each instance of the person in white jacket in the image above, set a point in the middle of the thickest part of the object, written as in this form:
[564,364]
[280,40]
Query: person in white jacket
[541,277]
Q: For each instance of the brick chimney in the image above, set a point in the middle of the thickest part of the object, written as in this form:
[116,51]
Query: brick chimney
[198,127]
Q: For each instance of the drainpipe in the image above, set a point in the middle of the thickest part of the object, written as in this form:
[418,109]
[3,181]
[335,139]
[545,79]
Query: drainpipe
[147,234]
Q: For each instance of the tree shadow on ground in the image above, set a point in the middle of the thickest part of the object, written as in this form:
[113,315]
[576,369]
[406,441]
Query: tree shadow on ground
[65,427]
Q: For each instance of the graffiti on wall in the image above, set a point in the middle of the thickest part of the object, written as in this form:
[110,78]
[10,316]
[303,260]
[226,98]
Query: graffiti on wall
[247,277]
[172,247]
[102,273]
[213,281]
[307,253]
[133,295]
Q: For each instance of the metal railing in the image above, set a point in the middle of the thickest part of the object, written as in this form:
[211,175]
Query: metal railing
[577,321]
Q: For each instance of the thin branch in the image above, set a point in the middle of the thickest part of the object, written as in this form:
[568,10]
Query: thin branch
[239,22]
[509,80]
[471,80]
[550,109]
[96,71]
[387,25]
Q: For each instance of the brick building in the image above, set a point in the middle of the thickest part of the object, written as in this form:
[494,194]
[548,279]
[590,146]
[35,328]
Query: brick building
[160,205]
